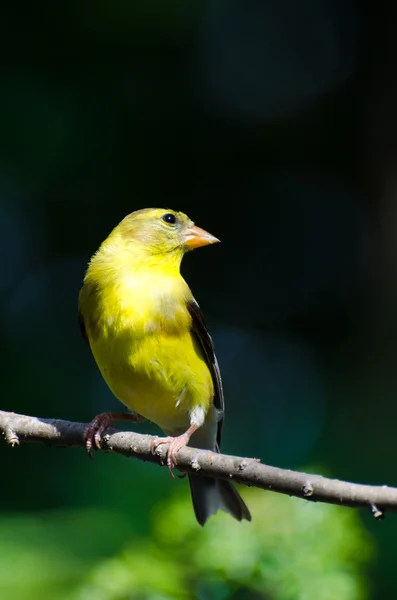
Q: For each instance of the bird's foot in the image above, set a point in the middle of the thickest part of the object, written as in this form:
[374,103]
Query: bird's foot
[95,429]
[158,441]
[175,444]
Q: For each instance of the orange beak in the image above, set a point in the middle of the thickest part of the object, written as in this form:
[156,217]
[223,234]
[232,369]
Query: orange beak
[195,237]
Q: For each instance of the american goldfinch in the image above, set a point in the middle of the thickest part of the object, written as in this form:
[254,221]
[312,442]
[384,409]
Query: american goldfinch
[151,344]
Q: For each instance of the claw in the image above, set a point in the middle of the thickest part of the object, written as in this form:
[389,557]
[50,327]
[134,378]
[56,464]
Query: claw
[158,441]
[175,444]
[95,429]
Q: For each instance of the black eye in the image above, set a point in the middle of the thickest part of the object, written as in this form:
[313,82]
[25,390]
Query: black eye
[169,218]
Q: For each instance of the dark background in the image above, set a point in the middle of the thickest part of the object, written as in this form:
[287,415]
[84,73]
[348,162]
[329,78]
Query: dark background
[272,125]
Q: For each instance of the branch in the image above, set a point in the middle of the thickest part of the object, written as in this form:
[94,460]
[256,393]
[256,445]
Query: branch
[249,471]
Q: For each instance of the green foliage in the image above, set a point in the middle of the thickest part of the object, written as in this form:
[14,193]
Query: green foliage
[292,550]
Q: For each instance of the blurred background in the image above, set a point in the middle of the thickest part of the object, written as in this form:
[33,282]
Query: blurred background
[271,124]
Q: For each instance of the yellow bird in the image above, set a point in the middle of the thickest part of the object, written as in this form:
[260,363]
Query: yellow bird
[151,344]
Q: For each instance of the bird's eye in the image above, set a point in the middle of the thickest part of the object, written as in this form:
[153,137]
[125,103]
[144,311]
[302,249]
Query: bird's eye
[169,218]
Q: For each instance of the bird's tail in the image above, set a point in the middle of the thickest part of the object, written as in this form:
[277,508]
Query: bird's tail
[210,495]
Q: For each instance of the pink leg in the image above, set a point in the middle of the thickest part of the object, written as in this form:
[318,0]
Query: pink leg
[95,429]
[175,444]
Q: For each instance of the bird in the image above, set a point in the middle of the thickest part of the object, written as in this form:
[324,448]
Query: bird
[151,344]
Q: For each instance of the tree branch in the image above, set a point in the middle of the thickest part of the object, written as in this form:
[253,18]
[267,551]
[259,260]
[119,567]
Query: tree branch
[249,471]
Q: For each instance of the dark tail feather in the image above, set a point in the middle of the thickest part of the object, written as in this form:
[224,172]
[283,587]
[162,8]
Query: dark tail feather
[210,495]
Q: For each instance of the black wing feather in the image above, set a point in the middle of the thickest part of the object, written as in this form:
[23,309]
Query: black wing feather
[82,327]
[199,329]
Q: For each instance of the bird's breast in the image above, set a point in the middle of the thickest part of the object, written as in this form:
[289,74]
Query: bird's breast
[140,336]
[142,305]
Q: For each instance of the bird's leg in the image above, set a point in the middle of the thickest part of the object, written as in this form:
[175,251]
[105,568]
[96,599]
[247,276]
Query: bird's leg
[175,444]
[94,430]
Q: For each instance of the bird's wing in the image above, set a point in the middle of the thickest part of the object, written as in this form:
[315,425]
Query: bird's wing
[82,326]
[82,296]
[199,329]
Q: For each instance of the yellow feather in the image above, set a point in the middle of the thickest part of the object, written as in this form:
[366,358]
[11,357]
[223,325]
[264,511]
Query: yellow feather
[134,306]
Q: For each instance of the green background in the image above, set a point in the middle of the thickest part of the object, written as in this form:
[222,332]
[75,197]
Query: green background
[253,119]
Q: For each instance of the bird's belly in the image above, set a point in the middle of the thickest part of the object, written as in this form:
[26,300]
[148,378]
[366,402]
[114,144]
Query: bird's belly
[162,377]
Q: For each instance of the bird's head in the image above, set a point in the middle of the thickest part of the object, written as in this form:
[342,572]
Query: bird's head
[162,231]
[155,233]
